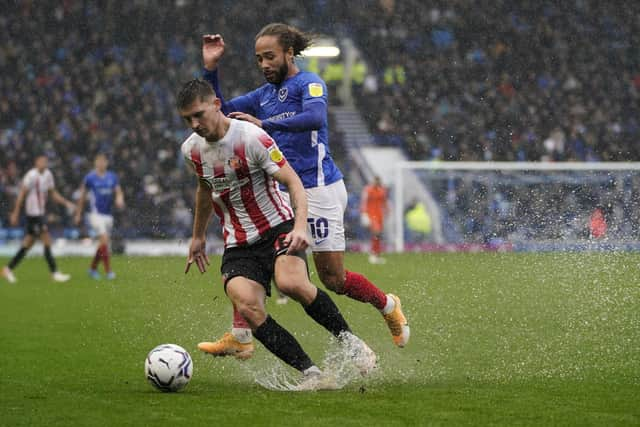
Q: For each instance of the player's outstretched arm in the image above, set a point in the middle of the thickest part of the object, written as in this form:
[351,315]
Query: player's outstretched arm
[297,238]
[15,213]
[119,198]
[57,197]
[80,205]
[312,117]
[202,215]
[212,50]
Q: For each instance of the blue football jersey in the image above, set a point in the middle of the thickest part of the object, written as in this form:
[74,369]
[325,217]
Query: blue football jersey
[307,151]
[101,191]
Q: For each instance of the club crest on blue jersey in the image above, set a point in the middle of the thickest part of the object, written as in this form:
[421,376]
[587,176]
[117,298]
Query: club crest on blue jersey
[282,94]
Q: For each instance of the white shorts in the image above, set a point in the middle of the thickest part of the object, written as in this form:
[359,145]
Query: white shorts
[325,220]
[100,223]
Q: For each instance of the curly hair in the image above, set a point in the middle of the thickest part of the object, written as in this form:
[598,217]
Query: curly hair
[288,36]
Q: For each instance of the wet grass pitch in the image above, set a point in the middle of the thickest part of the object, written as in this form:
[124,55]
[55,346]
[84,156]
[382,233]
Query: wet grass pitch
[497,339]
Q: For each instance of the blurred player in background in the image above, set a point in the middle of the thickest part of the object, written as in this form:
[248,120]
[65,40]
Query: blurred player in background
[373,207]
[103,188]
[292,108]
[36,186]
[265,237]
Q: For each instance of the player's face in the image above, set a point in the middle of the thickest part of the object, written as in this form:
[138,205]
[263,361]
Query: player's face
[41,163]
[101,163]
[272,59]
[202,116]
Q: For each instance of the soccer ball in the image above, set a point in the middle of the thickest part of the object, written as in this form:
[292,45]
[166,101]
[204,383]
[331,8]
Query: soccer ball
[168,367]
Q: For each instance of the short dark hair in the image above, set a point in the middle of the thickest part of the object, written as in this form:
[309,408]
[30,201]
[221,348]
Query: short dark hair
[196,89]
[288,36]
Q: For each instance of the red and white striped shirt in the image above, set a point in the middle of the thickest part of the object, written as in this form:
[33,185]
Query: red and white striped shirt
[38,186]
[238,168]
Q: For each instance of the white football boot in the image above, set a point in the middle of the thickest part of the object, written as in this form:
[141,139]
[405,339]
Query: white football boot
[60,277]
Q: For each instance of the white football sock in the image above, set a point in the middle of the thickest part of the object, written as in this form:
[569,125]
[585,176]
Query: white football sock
[389,306]
[243,335]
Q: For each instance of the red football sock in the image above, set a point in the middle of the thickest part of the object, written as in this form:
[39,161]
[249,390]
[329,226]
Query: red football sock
[105,258]
[238,320]
[96,258]
[358,287]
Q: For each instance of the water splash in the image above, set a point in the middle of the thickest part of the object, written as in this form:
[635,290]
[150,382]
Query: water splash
[338,365]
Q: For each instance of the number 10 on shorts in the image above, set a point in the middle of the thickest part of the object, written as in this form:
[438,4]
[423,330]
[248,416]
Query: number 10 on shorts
[319,228]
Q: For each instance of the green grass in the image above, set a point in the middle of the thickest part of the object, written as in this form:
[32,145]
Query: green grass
[497,339]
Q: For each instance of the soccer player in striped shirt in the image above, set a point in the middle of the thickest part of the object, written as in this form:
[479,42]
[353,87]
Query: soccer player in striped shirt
[37,186]
[239,167]
[292,107]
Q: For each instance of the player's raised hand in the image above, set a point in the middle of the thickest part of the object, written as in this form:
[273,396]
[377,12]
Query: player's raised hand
[297,241]
[212,50]
[246,118]
[197,254]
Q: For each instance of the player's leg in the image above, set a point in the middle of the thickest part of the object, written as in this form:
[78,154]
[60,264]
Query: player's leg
[95,262]
[248,297]
[291,276]
[239,342]
[375,249]
[292,279]
[56,275]
[104,243]
[375,229]
[27,243]
[330,267]
[327,206]
[101,225]
[94,223]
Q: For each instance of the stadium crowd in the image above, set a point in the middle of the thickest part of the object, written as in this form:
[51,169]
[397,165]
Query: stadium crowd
[502,80]
[91,76]
[451,80]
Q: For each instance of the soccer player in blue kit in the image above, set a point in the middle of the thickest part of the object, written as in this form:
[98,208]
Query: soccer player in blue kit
[103,188]
[292,108]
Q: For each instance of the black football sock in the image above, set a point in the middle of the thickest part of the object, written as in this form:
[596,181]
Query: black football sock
[17,258]
[281,343]
[324,311]
[49,258]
